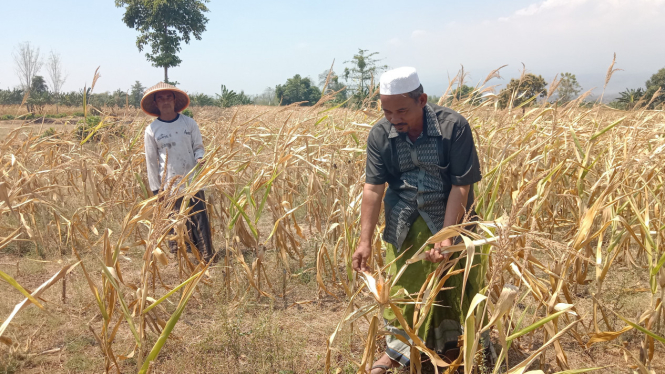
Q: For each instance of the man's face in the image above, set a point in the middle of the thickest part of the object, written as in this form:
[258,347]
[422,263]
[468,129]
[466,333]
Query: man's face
[402,111]
[165,101]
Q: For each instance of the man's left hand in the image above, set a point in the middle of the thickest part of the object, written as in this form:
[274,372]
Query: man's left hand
[200,161]
[434,254]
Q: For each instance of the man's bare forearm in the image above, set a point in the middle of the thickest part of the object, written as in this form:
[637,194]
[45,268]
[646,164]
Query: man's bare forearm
[369,210]
[456,206]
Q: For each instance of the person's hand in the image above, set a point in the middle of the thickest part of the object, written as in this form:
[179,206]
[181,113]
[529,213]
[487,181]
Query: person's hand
[200,161]
[360,257]
[434,254]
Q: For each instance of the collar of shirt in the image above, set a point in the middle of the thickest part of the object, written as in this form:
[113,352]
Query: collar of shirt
[430,125]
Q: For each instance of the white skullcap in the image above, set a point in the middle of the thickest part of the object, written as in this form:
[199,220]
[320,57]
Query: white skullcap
[399,81]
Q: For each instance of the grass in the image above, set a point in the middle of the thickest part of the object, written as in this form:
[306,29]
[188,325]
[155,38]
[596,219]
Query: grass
[576,189]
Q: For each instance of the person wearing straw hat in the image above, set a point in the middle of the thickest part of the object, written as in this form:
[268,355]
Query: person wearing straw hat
[427,156]
[177,136]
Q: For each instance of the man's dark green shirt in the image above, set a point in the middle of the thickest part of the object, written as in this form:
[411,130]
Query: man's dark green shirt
[421,174]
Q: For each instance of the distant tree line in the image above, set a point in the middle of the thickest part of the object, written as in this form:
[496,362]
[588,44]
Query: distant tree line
[651,96]
[39,94]
[526,90]
[357,87]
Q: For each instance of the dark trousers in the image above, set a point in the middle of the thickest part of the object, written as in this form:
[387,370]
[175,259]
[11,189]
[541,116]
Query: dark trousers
[198,227]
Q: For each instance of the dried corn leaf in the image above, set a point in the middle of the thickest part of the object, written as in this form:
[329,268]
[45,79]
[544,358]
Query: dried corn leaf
[56,277]
[606,336]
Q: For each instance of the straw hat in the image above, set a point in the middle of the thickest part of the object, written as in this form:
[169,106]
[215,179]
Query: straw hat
[149,106]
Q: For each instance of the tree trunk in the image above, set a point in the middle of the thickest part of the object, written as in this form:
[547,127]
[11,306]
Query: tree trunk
[166,74]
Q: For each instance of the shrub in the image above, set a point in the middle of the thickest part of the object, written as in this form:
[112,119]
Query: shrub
[27,116]
[86,126]
[48,132]
[188,113]
[6,117]
[78,114]
[59,115]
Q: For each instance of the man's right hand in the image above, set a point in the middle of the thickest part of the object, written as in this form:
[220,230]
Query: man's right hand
[360,257]
[369,215]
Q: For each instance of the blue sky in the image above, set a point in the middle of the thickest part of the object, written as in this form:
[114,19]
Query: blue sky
[252,45]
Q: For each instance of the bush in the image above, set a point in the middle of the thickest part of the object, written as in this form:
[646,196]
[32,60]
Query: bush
[47,133]
[27,116]
[59,115]
[188,113]
[86,126]
[78,114]
[6,117]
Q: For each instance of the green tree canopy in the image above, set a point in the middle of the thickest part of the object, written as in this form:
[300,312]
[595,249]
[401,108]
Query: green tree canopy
[628,99]
[653,84]
[38,85]
[201,99]
[522,90]
[136,94]
[364,72]
[230,98]
[334,85]
[164,24]
[297,89]
[568,88]
[39,95]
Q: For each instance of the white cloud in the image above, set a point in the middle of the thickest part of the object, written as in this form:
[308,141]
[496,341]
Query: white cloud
[545,6]
[549,37]
[395,42]
[418,34]
[570,6]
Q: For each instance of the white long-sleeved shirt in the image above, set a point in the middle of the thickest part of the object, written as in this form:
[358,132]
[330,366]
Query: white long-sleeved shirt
[181,138]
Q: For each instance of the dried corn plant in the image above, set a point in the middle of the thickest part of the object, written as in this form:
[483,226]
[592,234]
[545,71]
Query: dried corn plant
[568,193]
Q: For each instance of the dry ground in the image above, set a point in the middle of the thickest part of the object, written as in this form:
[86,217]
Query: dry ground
[248,336]
[252,335]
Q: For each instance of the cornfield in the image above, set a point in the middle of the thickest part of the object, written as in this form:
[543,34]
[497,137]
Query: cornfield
[569,237]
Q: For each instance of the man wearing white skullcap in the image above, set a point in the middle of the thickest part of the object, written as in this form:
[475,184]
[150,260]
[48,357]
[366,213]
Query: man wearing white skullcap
[427,156]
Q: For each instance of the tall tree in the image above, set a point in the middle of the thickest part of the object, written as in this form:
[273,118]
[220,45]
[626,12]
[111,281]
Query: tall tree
[522,90]
[27,63]
[230,98]
[56,76]
[38,85]
[164,24]
[568,88]
[297,89]
[657,81]
[39,95]
[629,98]
[364,70]
[136,94]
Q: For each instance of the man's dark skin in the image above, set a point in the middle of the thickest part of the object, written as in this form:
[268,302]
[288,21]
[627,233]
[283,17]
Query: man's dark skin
[406,115]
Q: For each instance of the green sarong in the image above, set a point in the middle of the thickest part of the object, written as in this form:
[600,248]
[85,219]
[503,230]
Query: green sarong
[443,324]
